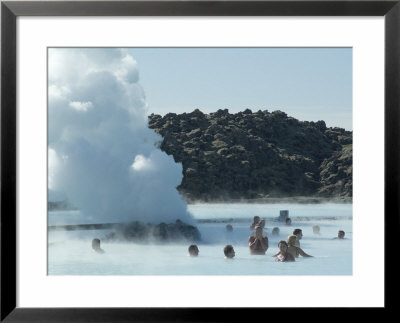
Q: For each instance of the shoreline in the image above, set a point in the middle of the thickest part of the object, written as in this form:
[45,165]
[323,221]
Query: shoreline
[261,200]
[276,200]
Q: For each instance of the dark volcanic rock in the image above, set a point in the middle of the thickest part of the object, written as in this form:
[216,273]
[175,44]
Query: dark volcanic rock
[336,173]
[163,232]
[251,155]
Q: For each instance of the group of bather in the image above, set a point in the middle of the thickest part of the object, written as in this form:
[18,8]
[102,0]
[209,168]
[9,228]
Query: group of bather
[289,250]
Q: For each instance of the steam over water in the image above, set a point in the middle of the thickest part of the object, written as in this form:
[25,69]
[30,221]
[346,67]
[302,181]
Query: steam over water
[102,155]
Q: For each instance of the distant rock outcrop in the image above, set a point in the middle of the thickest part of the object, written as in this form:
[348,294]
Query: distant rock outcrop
[254,155]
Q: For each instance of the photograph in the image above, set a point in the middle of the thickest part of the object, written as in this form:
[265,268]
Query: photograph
[210,161]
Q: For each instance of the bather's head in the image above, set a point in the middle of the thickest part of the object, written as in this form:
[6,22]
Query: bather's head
[258,230]
[316,228]
[341,234]
[282,245]
[229,228]
[288,221]
[193,250]
[291,240]
[275,231]
[298,233]
[229,252]
[256,219]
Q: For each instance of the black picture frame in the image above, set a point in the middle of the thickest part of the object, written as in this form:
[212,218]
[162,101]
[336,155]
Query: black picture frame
[11,10]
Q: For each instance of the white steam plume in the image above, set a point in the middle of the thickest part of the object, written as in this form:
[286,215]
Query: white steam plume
[102,155]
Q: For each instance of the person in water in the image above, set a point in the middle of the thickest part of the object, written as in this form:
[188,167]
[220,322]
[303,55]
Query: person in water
[258,243]
[96,246]
[316,229]
[283,254]
[340,235]
[229,228]
[275,231]
[256,219]
[193,250]
[299,234]
[229,252]
[293,250]
[288,221]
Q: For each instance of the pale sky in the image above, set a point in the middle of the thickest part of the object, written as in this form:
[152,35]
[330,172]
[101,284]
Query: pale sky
[309,84]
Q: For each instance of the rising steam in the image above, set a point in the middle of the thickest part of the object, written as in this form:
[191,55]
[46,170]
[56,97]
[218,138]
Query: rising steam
[102,155]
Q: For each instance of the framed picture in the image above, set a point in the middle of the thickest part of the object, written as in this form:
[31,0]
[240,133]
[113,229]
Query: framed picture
[64,64]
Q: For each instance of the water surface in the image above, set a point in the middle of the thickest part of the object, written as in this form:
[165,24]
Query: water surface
[70,252]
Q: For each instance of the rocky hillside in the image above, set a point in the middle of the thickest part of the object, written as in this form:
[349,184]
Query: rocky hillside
[256,155]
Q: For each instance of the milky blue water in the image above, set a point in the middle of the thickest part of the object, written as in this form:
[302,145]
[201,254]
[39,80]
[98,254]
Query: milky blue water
[70,252]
